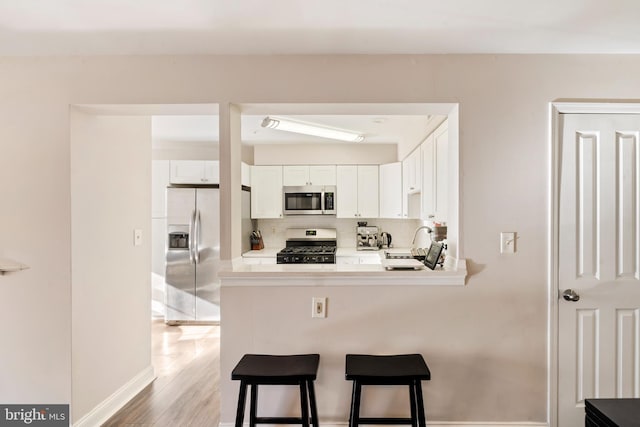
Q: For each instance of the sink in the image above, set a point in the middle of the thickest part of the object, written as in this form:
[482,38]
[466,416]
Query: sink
[418,253]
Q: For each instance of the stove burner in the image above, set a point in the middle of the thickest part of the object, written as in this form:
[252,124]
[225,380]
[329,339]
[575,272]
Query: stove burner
[321,254]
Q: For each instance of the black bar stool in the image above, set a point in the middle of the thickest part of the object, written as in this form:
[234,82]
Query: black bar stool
[403,369]
[264,369]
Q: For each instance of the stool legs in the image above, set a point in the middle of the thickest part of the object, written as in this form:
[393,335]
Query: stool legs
[242,397]
[354,416]
[312,402]
[414,405]
[415,402]
[420,404]
[307,404]
[304,404]
[253,405]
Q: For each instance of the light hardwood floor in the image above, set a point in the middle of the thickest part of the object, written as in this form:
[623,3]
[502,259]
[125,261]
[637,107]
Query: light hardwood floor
[186,391]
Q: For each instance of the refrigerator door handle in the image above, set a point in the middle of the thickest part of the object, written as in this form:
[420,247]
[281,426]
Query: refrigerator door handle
[196,240]
[192,236]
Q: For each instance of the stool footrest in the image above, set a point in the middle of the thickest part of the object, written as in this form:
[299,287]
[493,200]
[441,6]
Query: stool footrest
[384,420]
[279,420]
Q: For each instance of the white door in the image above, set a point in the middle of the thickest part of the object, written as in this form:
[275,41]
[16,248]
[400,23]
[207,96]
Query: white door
[295,175]
[322,175]
[599,335]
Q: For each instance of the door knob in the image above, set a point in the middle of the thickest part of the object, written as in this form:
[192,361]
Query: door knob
[570,295]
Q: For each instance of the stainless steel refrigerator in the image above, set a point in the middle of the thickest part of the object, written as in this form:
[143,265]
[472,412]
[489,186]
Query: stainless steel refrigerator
[193,255]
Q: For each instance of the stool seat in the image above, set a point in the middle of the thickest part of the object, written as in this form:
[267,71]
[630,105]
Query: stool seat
[273,369]
[267,369]
[395,369]
[401,369]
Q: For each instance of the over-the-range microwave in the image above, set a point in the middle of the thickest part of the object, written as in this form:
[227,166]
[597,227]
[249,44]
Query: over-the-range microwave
[309,200]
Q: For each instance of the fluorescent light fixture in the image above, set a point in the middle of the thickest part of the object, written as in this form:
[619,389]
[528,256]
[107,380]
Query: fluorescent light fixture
[311,129]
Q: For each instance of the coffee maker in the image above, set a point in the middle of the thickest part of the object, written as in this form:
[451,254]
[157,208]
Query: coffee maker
[367,238]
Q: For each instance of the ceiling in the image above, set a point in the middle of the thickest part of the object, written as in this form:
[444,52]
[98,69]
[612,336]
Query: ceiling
[380,128]
[101,27]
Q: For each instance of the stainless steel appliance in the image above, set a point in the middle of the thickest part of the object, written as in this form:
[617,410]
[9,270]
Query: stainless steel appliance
[367,238]
[385,240]
[309,246]
[193,255]
[309,200]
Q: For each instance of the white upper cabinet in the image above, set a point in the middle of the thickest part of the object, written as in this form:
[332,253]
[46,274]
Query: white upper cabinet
[357,188]
[435,161]
[391,190]
[411,185]
[245,174]
[195,172]
[160,179]
[441,137]
[368,199]
[428,178]
[266,192]
[309,175]
[412,172]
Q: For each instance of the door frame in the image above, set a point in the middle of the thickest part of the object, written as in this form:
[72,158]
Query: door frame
[555,136]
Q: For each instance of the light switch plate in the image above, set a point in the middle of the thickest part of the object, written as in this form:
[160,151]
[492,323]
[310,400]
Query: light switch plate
[507,242]
[319,307]
[137,237]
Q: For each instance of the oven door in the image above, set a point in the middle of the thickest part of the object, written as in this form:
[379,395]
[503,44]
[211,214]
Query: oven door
[305,200]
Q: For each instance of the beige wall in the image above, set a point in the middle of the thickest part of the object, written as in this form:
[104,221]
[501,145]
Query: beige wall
[111,288]
[496,324]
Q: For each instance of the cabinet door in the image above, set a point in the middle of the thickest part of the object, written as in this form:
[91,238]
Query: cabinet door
[428,179]
[391,190]
[347,189]
[322,175]
[187,171]
[160,179]
[245,174]
[368,199]
[414,172]
[295,175]
[211,172]
[441,172]
[266,192]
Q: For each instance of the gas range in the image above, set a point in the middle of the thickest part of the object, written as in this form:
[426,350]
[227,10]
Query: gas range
[309,246]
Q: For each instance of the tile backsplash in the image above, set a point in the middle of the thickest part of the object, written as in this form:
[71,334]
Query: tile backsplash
[273,230]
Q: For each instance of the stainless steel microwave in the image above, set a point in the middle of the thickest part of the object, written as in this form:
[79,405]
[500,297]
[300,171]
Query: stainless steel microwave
[309,200]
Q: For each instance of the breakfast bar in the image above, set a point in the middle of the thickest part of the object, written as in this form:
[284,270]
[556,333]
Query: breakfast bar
[268,309]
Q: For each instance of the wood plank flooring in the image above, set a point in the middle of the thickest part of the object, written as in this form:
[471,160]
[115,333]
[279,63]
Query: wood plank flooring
[186,391]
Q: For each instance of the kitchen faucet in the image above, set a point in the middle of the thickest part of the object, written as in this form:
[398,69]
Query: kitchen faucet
[424,227]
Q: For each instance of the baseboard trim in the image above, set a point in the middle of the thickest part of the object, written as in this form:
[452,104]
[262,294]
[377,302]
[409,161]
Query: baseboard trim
[112,404]
[436,424]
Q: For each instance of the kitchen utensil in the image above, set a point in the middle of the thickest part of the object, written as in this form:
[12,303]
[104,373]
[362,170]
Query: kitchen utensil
[385,240]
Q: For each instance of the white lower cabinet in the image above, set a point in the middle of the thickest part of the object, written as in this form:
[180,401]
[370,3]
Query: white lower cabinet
[259,260]
[357,188]
[372,258]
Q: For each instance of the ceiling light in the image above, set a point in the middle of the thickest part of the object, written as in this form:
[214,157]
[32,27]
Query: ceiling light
[311,129]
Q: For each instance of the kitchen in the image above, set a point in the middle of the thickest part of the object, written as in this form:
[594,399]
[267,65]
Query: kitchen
[387,193]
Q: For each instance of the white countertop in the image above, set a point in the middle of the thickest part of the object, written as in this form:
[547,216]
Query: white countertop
[239,273]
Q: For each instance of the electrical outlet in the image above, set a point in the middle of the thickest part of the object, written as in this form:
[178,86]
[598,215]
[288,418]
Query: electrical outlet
[319,307]
[137,237]
[508,242]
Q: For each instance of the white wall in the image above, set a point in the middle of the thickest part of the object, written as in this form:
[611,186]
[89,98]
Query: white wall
[324,154]
[496,324]
[110,293]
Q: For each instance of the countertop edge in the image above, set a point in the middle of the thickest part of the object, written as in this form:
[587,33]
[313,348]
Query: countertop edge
[237,274]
